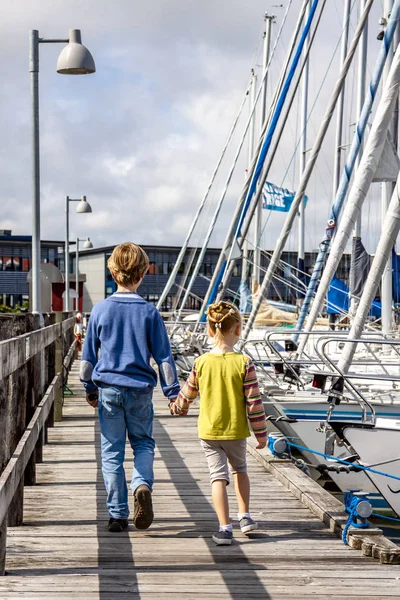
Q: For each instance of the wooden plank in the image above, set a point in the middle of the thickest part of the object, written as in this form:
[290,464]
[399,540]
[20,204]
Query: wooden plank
[193,595]
[65,549]
[327,508]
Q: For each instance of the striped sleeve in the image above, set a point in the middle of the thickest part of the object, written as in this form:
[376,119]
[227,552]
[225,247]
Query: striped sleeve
[189,391]
[255,408]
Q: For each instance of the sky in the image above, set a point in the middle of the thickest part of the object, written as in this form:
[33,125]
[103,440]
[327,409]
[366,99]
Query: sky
[142,136]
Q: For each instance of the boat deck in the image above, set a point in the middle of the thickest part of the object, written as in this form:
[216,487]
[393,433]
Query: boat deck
[64,550]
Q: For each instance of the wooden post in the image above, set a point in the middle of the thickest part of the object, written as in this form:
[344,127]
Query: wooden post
[59,357]
[50,353]
[34,397]
[3,542]
[4,323]
[13,390]
[17,393]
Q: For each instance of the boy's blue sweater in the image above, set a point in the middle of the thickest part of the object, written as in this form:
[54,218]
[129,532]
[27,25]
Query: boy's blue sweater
[128,331]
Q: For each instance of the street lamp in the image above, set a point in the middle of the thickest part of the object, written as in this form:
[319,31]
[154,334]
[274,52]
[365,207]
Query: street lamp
[74,59]
[83,207]
[87,244]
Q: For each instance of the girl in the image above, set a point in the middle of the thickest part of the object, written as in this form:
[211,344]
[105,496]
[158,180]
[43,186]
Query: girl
[229,397]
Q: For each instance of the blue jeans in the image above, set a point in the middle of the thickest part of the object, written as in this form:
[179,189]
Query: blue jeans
[123,410]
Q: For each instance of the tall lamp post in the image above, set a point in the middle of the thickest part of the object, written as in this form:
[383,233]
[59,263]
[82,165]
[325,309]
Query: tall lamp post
[87,244]
[74,59]
[83,207]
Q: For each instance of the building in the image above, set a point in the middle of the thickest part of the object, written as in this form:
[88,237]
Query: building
[96,282]
[16,262]
[99,283]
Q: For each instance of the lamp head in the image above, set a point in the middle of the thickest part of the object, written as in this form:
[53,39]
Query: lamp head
[83,206]
[87,244]
[75,59]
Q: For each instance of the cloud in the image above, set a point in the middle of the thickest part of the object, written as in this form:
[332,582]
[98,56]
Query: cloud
[142,136]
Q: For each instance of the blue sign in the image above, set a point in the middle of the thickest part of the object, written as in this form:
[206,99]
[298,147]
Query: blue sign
[277,198]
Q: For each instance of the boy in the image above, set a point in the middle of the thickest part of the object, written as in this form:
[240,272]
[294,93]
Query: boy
[127,331]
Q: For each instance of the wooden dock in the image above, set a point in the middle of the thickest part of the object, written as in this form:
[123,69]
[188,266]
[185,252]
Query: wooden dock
[64,550]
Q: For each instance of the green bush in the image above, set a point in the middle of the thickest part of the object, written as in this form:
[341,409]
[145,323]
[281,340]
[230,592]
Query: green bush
[6,309]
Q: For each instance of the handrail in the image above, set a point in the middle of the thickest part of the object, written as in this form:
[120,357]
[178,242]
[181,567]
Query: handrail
[14,470]
[15,352]
[358,396]
[22,453]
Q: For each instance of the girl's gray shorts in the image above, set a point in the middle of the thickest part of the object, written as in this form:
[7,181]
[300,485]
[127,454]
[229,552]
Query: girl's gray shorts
[220,452]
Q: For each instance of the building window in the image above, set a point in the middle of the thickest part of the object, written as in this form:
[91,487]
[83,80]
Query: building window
[152,268]
[167,304]
[59,263]
[236,271]
[7,264]
[152,298]
[207,269]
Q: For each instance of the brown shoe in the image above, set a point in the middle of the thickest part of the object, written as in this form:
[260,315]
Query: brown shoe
[143,508]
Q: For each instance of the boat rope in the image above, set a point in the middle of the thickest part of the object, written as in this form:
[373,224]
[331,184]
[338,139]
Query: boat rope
[341,461]
[357,504]
[352,522]
[281,418]
[323,468]
[313,107]
[297,144]
[377,515]
[221,200]
[172,277]
[224,266]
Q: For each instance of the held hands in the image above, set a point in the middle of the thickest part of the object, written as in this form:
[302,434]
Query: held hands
[175,409]
[92,399]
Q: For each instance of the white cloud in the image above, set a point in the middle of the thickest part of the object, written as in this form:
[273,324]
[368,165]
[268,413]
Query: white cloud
[142,136]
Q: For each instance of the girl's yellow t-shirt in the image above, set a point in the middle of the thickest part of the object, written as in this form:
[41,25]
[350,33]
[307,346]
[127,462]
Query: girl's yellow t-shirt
[223,412]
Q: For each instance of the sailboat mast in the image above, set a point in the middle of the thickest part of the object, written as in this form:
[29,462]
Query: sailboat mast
[307,172]
[347,173]
[362,64]
[258,215]
[390,231]
[362,72]
[303,150]
[339,116]
[222,260]
[386,192]
[362,181]
[253,89]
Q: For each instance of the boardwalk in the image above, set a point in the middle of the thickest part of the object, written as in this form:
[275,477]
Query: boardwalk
[65,551]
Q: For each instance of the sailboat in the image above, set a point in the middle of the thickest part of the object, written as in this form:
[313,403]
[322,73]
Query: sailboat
[350,415]
[368,439]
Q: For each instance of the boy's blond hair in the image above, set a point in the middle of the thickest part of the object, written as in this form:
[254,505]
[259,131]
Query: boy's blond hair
[128,263]
[222,317]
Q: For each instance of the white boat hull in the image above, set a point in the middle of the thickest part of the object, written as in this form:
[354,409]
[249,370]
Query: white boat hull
[305,432]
